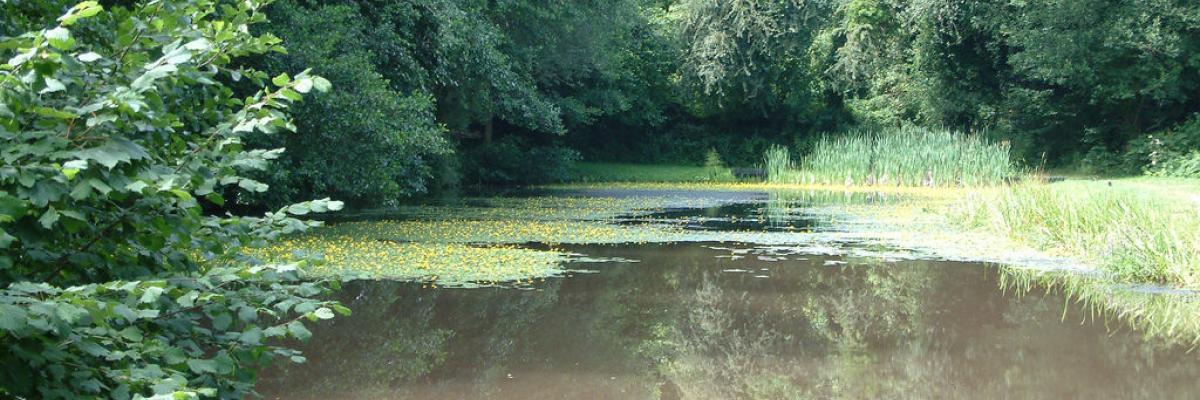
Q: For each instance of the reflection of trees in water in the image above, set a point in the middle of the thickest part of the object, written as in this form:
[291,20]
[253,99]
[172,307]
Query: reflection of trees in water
[379,347]
[896,330]
[400,334]
[489,323]
[736,344]
[909,331]
[717,352]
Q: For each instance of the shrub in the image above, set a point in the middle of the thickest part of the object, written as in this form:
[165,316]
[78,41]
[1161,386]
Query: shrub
[513,160]
[117,130]
[1172,152]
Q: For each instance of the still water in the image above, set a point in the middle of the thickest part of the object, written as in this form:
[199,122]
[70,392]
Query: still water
[724,321]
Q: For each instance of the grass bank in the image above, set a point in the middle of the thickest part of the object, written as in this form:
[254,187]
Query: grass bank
[617,172]
[1136,230]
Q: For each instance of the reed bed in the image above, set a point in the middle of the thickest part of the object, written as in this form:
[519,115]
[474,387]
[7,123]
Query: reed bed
[907,156]
[777,164]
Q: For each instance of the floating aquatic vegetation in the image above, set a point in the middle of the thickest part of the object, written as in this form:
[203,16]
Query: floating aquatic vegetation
[436,263]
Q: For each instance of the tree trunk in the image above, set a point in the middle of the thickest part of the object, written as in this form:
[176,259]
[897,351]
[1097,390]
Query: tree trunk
[487,131]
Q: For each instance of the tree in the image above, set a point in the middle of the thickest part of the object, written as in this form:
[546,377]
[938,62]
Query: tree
[118,128]
[370,142]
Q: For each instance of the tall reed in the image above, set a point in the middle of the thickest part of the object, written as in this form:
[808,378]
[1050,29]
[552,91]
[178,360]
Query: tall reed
[777,164]
[907,156]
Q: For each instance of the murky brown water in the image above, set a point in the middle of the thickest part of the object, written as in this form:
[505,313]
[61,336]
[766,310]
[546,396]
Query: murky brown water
[691,322]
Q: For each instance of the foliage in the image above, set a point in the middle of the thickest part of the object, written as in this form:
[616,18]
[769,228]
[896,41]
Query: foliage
[1172,152]
[714,166]
[119,130]
[1185,166]
[367,143]
[513,160]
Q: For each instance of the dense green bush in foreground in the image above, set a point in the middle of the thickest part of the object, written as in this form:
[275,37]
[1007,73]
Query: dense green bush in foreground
[117,130]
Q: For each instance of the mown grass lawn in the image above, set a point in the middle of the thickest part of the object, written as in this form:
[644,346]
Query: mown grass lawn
[619,172]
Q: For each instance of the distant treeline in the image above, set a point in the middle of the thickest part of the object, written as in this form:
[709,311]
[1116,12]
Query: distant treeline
[435,93]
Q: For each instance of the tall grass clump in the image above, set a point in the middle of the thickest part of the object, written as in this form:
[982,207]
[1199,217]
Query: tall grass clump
[777,164]
[1134,238]
[907,156]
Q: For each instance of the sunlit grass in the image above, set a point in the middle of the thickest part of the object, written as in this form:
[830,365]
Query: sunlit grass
[1132,236]
[618,172]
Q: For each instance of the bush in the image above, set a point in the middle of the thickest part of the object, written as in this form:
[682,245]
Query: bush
[513,160]
[116,131]
[1100,160]
[1172,152]
[368,143]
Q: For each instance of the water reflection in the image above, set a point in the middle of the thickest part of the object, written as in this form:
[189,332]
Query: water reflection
[684,323]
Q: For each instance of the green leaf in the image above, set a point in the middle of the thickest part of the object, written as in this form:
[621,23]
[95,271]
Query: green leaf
[114,152]
[298,209]
[71,168]
[298,330]
[151,294]
[99,185]
[82,10]
[323,313]
[221,321]
[321,84]
[131,334]
[88,57]
[215,198]
[281,80]
[49,218]
[252,185]
[11,208]
[251,336]
[202,366]
[136,186]
[304,85]
[6,240]
[52,85]
[12,318]
[60,38]
[52,113]
[188,299]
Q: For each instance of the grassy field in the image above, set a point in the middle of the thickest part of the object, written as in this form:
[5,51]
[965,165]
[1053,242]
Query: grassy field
[615,172]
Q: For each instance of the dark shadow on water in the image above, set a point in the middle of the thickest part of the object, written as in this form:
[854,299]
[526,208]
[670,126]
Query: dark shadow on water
[730,217]
[689,321]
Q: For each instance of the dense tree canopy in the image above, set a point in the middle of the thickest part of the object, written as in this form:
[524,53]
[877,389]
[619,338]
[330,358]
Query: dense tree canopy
[515,91]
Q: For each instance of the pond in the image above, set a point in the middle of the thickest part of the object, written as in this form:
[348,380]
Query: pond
[712,320]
